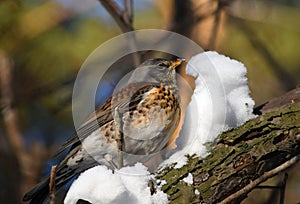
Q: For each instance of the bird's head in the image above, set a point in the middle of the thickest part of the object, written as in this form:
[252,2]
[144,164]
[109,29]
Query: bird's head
[158,70]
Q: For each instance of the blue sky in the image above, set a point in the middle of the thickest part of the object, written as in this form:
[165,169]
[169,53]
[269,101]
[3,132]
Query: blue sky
[94,8]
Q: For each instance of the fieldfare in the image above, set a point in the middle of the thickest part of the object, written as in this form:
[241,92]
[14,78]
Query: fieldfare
[133,124]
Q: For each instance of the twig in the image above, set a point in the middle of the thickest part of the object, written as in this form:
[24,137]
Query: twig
[268,187]
[128,11]
[52,185]
[125,6]
[281,185]
[116,12]
[120,141]
[264,177]
[131,11]
[124,21]
[282,189]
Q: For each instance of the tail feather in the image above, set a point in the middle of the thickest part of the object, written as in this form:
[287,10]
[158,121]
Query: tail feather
[38,193]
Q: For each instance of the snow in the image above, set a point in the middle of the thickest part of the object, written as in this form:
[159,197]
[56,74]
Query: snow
[161,182]
[220,102]
[188,179]
[128,185]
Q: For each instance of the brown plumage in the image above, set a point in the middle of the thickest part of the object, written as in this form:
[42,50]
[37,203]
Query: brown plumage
[138,121]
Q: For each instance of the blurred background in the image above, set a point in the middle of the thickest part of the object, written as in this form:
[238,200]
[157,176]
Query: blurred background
[44,43]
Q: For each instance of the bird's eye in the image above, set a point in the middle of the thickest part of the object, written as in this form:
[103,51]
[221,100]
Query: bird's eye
[164,64]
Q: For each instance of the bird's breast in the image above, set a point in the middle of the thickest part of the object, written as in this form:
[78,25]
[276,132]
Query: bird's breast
[153,115]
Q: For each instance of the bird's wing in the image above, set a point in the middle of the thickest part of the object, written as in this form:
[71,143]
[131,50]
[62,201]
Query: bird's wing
[126,99]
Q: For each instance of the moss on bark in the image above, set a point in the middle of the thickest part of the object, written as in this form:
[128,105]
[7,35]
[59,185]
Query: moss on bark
[240,156]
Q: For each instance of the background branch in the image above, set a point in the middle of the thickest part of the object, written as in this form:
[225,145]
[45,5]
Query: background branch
[121,17]
[216,26]
[287,80]
[30,162]
[124,19]
[9,110]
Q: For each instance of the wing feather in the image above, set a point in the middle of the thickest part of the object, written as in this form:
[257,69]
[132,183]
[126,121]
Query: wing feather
[104,114]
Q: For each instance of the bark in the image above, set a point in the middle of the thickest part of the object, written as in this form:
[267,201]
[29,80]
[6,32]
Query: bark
[241,158]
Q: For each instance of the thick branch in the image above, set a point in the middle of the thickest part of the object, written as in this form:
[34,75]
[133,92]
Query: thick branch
[257,150]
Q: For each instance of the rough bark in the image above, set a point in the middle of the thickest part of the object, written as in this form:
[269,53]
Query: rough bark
[242,157]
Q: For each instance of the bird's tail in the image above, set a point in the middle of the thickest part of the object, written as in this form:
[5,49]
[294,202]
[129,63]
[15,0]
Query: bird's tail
[38,193]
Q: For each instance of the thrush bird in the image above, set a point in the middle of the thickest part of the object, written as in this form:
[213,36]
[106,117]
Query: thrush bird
[133,124]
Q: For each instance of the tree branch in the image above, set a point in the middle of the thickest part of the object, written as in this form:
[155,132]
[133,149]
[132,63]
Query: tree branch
[215,29]
[52,184]
[118,15]
[124,19]
[30,161]
[9,111]
[242,158]
[261,179]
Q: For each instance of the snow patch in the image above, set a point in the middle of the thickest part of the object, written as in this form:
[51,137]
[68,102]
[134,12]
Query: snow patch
[188,179]
[129,185]
[220,101]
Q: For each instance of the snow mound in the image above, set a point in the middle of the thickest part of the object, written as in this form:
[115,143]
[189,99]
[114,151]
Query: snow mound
[129,185]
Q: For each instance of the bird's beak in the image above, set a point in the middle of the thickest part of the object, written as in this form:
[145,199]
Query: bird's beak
[176,63]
